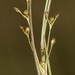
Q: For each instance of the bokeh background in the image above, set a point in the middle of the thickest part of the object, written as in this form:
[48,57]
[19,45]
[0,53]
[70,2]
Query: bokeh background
[16,57]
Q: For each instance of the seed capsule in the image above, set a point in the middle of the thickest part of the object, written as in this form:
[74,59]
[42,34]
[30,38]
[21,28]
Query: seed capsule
[52,20]
[27,30]
[26,12]
[53,41]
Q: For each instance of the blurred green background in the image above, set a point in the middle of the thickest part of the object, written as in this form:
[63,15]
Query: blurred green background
[16,57]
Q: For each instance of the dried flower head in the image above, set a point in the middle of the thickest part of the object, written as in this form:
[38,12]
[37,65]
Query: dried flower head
[53,41]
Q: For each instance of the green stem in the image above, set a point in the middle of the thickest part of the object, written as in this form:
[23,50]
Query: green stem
[50,50]
[32,39]
[49,67]
[48,63]
[30,43]
[48,40]
[44,24]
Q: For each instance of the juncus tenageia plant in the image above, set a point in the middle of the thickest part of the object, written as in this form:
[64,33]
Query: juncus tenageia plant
[43,67]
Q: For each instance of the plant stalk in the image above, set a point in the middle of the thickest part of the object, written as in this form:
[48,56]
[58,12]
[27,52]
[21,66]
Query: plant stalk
[32,39]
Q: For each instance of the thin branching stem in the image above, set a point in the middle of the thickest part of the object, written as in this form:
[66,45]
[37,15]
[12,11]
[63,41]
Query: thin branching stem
[47,59]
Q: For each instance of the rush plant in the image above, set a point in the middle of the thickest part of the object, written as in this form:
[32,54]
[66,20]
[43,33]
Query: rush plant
[43,67]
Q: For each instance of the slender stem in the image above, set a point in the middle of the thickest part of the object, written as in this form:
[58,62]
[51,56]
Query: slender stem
[30,43]
[50,50]
[49,67]
[48,40]
[47,59]
[32,39]
[44,24]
